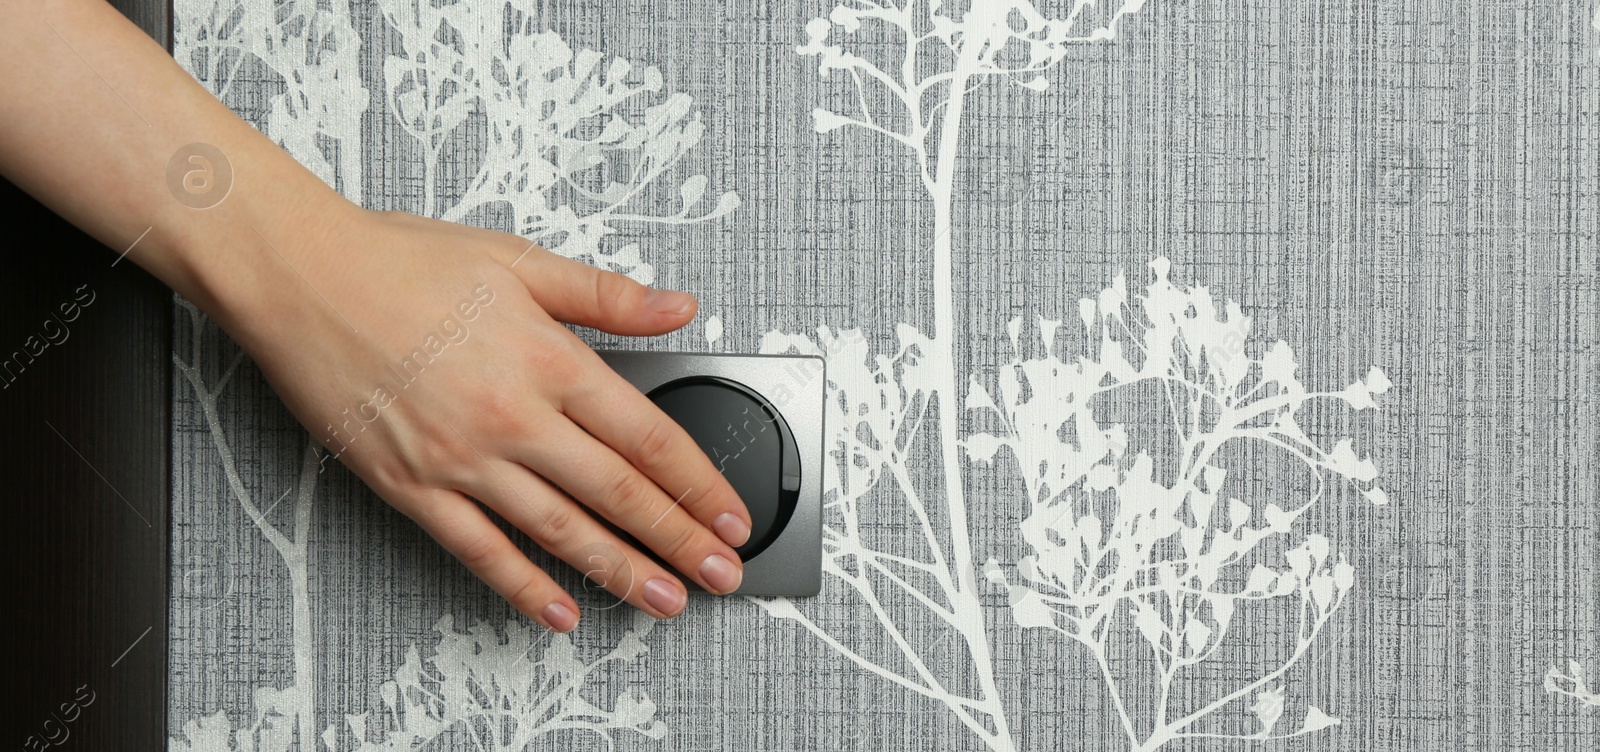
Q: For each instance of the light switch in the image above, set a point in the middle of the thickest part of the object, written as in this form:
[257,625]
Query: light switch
[759,419]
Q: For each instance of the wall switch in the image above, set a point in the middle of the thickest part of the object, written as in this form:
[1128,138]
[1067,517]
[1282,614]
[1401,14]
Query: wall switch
[759,419]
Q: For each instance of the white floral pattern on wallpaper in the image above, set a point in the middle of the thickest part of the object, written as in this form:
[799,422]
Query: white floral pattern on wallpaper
[575,142]
[1119,552]
[309,55]
[473,689]
[1153,537]
[1571,683]
[918,101]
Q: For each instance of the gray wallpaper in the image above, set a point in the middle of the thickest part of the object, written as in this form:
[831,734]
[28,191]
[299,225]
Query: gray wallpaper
[1201,375]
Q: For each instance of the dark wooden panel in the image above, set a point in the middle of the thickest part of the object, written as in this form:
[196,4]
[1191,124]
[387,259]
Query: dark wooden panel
[86,492]
[154,16]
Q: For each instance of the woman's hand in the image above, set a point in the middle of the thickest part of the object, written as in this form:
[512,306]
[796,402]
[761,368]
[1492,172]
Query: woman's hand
[426,356]
[429,357]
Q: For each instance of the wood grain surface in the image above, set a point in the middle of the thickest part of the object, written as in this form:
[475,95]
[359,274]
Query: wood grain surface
[86,494]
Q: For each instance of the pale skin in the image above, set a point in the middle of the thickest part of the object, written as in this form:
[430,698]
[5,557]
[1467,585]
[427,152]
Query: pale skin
[521,420]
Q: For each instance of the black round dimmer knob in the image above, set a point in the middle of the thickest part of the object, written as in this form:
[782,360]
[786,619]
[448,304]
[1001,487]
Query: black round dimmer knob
[748,440]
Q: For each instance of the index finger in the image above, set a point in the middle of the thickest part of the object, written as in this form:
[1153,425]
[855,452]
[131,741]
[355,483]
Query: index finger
[621,417]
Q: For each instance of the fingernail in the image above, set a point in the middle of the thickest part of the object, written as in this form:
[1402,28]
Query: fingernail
[668,301]
[720,574]
[559,617]
[731,529]
[663,596]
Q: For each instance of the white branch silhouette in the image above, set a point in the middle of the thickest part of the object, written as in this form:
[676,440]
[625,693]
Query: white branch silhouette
[1119,537]
[494,693]
[313,52]
[576,143]
[882,403]
[875,411]
[284,714]
[1572,683]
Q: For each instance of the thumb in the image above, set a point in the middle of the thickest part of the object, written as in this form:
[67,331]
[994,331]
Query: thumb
[577,293]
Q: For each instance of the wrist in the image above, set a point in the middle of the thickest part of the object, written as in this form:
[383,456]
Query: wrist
[255,252]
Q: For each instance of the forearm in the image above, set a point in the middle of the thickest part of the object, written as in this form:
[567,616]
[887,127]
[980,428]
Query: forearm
[93,112]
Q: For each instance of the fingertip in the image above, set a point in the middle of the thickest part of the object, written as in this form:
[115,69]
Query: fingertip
[731,529]
[666,597]
[559,617]
[577,293]
[671,303]
[720,575]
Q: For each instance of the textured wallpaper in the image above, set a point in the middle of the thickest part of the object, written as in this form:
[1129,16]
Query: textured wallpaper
[1201,375]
